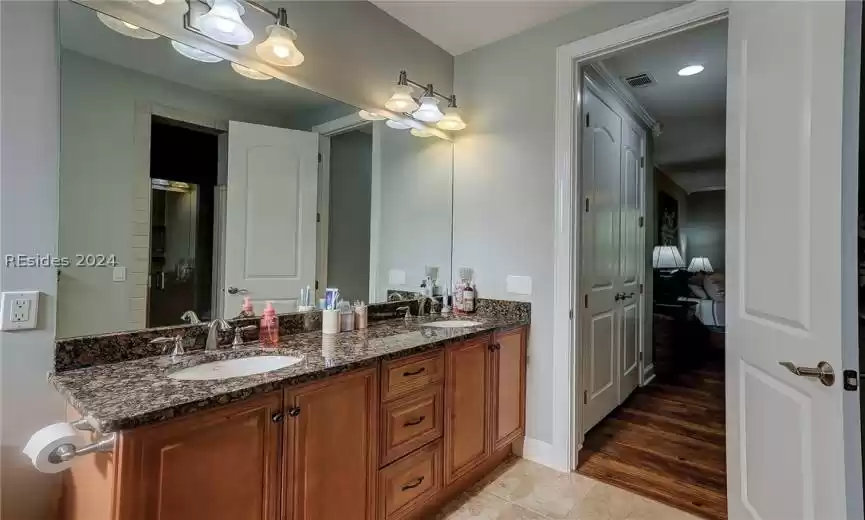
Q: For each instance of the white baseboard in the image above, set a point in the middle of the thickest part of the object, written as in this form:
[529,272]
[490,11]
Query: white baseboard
[648,374]
[537,451]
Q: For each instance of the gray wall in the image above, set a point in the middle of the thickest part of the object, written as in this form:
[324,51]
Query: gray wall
[504,170]
[705,227]
[29,138]
[348,238]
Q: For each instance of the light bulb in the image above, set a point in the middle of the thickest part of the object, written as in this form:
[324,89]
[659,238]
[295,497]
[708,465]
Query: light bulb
[224,24]
[369,115]
[397,124]
[279,48]
[156,2]
[401,100]
[417,132]
[429,110]
[195,54]
[125,28]
[451,120]
[249,73]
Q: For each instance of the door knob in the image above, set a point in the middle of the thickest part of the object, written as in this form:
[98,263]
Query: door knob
[235,290]
[823,372]
[619,296]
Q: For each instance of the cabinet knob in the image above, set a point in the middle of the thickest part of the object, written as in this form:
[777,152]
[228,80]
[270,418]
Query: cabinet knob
[294,412]
[277,417]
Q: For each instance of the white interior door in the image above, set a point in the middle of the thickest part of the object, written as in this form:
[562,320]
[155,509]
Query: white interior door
[270,245]
[631,258]
[601,165]
[785,441]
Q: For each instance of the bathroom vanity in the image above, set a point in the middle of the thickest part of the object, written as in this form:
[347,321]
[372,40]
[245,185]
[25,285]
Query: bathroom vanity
[399,420]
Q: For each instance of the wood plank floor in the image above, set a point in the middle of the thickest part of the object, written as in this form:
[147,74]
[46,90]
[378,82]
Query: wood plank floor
[667,442]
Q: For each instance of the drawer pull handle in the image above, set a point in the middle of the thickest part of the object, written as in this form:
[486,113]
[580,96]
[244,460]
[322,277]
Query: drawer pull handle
[414,422]
[413,484]
[416,372]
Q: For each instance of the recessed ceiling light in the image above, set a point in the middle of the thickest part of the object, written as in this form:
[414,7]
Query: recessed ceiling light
[690,70]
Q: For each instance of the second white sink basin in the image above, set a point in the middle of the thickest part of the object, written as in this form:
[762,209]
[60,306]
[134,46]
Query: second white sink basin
[234,368]
[452,324]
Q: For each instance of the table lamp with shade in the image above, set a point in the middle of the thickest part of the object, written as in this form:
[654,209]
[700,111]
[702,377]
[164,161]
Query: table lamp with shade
[667,257]
[670,280]
[700,264]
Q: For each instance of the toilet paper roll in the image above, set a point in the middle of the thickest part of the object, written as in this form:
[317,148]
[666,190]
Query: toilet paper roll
[43,442]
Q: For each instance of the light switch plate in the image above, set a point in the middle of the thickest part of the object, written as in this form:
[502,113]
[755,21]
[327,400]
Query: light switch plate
[396,277]
[119,274]
[19,310]
[519,285]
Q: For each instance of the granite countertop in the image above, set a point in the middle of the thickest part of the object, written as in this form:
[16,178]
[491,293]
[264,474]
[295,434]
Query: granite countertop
[129,394]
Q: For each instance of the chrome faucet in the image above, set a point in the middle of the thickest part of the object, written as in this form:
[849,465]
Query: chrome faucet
[213,336]
[190,317]
[405,308]
[421,304]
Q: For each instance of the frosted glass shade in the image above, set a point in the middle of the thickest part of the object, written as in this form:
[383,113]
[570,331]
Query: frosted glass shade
[126,28]
[420,132]
[401,100]
[279,48]
[452,120]
[223,23]
[700,264]
[370,116]
[428,111]
[249,73]
[195,54]
[397,125]
[667,257]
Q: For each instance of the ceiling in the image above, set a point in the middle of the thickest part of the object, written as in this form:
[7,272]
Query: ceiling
[459,26]
[691,109]
[81,31]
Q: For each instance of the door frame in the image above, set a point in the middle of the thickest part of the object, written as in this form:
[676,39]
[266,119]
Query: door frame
[327,130]
[567,425]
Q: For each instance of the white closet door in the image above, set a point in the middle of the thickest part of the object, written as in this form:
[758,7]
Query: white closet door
[631,256]
[270,244]
[601,170]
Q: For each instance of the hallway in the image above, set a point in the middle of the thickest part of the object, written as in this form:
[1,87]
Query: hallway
[667,443]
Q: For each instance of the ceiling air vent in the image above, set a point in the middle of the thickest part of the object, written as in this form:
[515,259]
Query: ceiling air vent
[640,80]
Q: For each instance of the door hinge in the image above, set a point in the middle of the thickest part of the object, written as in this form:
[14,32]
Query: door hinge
[587,119]
[571,314]
[642,162]
[587,204]
[641,356]
[640,222]
[585,397]
[851,380]
[641,288]
[318,217]
[319,158]
[316,285]
[586,301]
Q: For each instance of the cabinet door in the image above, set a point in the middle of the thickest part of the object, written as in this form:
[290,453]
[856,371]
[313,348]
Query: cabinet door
[467,440]
[219,465]
[331,446]
[508,388]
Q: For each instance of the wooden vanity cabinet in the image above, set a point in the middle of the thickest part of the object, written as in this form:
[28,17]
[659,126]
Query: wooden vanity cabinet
[220,465]
[508,391]
[331,446]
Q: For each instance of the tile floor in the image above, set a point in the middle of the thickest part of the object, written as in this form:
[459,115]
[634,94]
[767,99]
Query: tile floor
[523,490]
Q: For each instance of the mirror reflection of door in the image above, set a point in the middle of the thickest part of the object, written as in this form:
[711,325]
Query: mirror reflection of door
[183,177]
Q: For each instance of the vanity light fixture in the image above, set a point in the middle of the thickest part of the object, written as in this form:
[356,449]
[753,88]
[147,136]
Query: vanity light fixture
[279,48]
[402,101]
[249,73]
[156,2]
[195,54]
[126,28]
[429,109]
[369,115]
[397,124]
[224,24]
[417,132]
[690,70]
[452,119]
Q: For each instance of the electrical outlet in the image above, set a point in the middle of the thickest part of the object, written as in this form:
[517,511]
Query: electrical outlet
[19,310]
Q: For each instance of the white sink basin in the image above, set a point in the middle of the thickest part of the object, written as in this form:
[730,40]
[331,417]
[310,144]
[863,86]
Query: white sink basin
[234,368]
[452,324]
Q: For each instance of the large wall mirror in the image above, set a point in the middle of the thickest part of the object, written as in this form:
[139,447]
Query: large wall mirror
[188,182]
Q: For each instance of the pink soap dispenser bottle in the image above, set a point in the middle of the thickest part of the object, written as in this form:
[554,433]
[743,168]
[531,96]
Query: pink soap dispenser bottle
[268,330]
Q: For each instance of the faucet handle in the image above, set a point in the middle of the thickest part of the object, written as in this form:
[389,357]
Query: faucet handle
[165,341]
[407,310]
[238,335]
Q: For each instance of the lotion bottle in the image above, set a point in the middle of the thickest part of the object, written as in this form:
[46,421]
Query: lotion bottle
[268,331]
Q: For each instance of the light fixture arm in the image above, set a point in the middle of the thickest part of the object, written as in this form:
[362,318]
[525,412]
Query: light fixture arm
[280,16]
[428,89]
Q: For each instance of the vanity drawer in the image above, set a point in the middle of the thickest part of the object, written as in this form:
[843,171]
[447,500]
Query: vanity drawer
[401,376]
[409,482]
[411,422]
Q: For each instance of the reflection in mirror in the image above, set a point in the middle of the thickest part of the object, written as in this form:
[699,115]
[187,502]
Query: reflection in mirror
[203,183]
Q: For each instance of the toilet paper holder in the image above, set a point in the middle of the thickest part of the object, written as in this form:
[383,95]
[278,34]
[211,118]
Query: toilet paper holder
[66,452]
